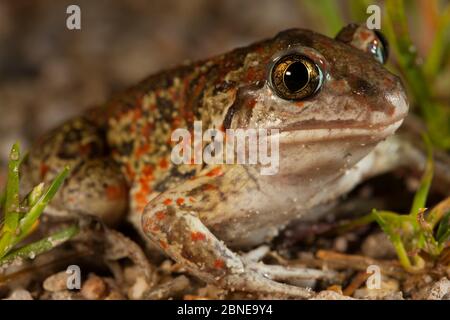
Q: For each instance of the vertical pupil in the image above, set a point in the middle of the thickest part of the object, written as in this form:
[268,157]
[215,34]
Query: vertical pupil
[296,76]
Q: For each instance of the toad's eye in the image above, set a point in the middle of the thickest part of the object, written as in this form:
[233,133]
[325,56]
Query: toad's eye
[295,77]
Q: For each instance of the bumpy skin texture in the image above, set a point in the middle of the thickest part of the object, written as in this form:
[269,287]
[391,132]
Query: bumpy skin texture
[120,152]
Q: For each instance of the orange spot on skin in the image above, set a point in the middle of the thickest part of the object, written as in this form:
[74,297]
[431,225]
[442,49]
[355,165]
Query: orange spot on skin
[251,103]
[43,170]
[197,236]
[160,215]
[300,104]
[146,129]
[147,172]
[191,199]
[145,188]
[364,35]
[215,172]
[114,192]
[145,180]
[180,201]
[142,150]
[163,163]
[167,202]
[176,122]
[251,74]
[208,187]
[219,264]
[141,200]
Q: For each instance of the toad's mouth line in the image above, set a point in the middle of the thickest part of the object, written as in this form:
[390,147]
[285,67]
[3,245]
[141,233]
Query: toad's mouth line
[341,124]
[363,132]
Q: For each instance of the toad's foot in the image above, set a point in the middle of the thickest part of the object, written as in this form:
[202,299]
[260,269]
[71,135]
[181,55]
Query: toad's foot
[187,240]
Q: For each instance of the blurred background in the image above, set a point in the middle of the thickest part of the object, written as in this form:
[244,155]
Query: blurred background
[49,73]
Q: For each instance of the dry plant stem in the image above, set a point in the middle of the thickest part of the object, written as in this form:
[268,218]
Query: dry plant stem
[169,289]
[340,261]
[356,283]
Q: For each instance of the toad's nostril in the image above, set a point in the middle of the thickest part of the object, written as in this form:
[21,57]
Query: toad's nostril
[362,87]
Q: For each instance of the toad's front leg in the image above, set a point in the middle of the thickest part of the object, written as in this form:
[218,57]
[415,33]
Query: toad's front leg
[173,221]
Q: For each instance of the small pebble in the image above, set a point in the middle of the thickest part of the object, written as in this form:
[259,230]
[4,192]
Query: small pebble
[389,289]
[340,244]
[378,246]
[439,290]
[20,294]
[56,282]
[94,288]
[330,295]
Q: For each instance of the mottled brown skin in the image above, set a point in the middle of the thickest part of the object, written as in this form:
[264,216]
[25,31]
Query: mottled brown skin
[120,152]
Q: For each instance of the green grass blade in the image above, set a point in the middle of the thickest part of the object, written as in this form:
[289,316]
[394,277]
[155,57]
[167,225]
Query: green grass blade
[435,115]
[420,198]
[35,194]
[11,208]
[355,223]
[12,190]
[34,213]
[3,192]
[394,237]
[41,246]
